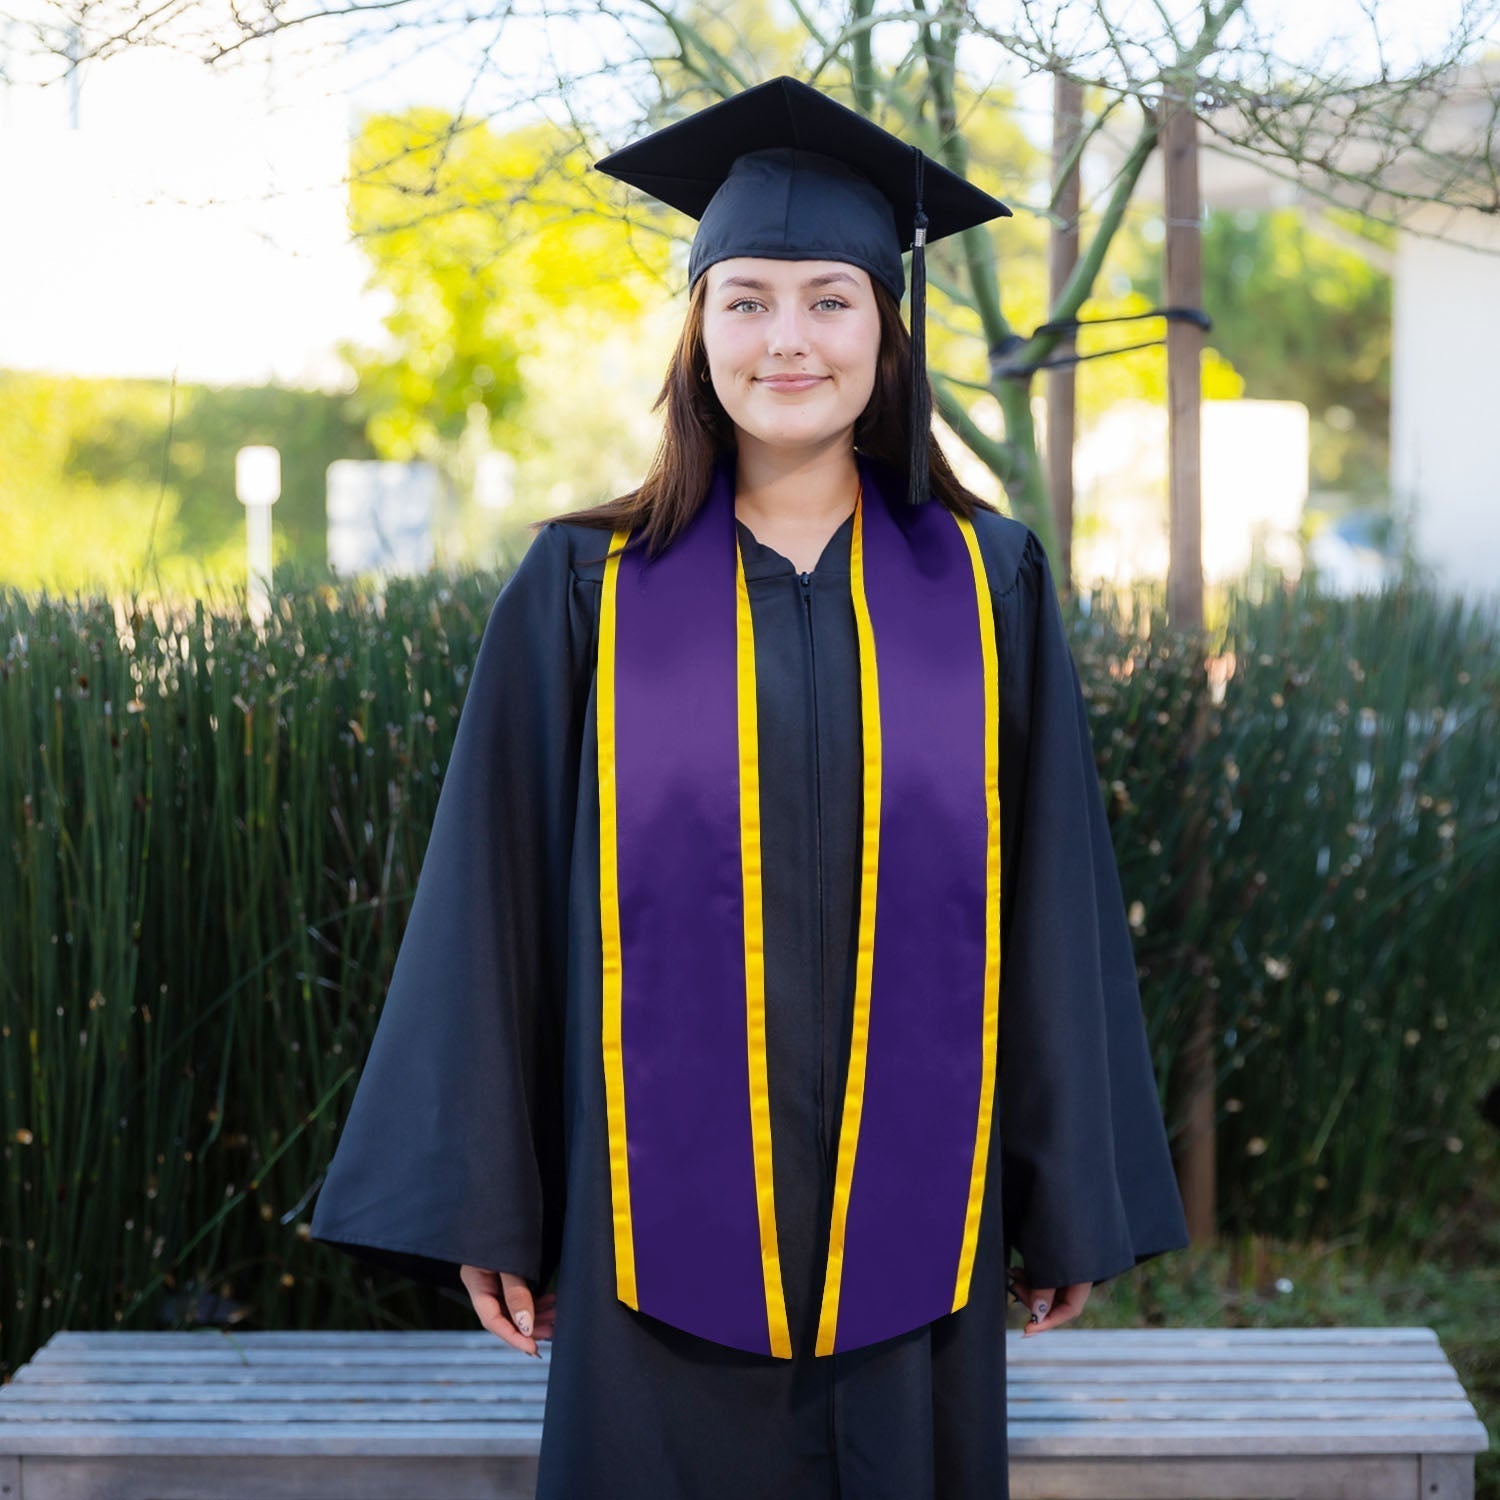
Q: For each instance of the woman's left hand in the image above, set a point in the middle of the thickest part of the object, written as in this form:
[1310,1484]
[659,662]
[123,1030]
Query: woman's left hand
[1050,1306]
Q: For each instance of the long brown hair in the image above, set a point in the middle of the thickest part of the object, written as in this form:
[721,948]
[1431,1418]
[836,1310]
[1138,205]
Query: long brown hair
[697,432]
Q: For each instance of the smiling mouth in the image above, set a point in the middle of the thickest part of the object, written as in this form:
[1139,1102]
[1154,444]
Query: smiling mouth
[791,382]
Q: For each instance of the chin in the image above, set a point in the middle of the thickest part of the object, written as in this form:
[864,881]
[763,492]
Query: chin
[793,440]
[794,434]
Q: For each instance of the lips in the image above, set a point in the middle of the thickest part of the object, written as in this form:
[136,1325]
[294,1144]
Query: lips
[791,382]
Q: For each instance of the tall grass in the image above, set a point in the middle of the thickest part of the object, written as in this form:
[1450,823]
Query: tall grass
[1350,787]
[209,835]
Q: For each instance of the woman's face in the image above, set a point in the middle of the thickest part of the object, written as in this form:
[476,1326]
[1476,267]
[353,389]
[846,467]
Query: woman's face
[792,347]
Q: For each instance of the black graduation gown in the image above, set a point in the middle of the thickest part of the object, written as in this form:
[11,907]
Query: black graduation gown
[478,1131]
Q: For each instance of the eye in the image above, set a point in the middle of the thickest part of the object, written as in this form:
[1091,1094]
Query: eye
[734,306]
[836,301]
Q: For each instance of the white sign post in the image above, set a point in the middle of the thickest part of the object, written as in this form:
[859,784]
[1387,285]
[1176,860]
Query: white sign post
[381,516]
[257,482]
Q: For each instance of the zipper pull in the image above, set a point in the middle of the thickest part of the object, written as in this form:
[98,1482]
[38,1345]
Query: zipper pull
[806,580]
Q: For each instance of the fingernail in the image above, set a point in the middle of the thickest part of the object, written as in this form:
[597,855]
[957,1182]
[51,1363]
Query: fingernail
[523,1322]
[1041,1310]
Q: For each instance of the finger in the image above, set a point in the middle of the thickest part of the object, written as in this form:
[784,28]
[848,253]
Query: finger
[1040,1302]
[518,1303]
[484,1288]
[492,1315]
[1062,1313]
[1069,1304]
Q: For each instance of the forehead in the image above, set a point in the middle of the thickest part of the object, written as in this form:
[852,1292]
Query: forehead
[759,273]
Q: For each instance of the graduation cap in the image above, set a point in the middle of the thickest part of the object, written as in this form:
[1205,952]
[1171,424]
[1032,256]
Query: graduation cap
[782,171]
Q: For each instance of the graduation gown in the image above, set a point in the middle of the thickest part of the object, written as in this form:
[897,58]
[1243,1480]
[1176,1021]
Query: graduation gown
[478,1130]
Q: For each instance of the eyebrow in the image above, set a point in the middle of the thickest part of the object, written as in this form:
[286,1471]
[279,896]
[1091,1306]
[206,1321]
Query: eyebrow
[760,286]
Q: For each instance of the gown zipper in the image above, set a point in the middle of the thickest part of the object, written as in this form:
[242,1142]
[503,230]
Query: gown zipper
[806,581]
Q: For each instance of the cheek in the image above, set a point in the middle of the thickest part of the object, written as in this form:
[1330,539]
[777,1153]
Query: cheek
[727,343]
[858,347]
[859,350]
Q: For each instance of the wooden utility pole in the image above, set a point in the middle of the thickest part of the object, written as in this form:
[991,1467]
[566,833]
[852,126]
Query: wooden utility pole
[1067,127]
[1184,288]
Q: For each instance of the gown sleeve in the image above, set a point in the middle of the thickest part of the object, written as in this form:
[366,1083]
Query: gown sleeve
[1088,1186]
[452,1150]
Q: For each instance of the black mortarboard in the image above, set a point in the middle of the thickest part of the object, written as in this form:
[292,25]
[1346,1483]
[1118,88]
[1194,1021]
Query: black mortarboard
[785,172]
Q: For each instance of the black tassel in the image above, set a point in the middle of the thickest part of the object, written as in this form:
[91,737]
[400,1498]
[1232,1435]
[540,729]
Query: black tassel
[921,391]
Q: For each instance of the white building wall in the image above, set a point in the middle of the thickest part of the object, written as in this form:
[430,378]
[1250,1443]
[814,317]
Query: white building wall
[1254,476]
[1445,397]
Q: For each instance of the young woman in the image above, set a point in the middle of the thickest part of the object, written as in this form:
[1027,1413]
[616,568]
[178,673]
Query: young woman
[768,978]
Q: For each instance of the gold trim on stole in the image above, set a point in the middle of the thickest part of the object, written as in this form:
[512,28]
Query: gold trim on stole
[854,1086]
[755,967]
[989,1063]
[609,911]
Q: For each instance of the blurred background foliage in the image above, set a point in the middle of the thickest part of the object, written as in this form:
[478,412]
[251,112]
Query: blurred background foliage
[1301,308]
[108,482]
[525,315]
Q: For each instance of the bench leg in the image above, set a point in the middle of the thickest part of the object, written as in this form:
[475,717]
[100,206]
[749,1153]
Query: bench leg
[1446,1476]
[10,1479]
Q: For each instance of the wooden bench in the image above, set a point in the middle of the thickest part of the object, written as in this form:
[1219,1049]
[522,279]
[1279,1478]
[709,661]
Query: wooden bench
[1373,1413]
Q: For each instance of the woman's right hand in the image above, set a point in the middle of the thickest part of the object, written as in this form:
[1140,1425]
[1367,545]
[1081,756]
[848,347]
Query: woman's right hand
[502,1303]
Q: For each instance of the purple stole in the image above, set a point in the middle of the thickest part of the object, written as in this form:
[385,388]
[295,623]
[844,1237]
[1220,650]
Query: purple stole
[684,1040]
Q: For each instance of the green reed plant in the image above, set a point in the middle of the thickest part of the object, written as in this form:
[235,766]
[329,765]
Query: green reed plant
[1362,784]
[1350,790]
[210,832]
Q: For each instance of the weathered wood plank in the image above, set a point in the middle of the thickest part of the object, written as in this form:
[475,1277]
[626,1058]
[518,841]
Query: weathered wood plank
[1195,1479]
[237,1414]
[1445,1477]
[1360,1395]
[477,1439]
[1305,1375]
[470,1439]
[1285,1357]
[290,1338]
[1062,1350]
[1085,1438]
[227,1357]
[476,1338]
[487,1394]
[1069,1436]
[345,1477]
[523,1369]
[1396,1422]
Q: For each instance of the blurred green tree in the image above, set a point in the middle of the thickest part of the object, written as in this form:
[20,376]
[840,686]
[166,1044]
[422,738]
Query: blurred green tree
[1301,304]
[104,481]
[505,274]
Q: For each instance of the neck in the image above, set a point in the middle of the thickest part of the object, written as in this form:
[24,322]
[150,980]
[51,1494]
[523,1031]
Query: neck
[800,486]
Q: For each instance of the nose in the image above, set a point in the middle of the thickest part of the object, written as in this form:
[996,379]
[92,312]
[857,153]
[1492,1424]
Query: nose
[786,337]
